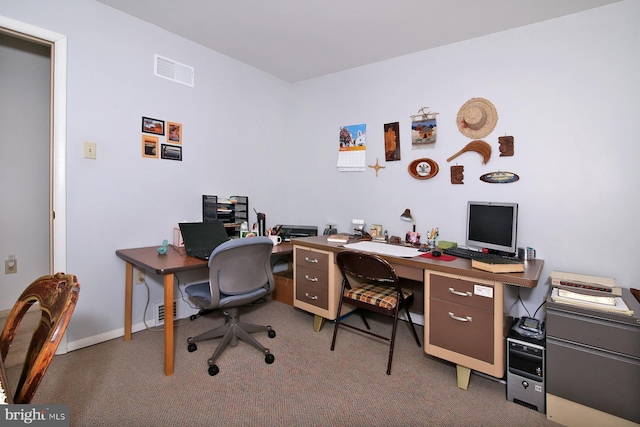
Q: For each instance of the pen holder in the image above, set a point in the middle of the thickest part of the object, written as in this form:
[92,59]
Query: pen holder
[526,253]
[431,243]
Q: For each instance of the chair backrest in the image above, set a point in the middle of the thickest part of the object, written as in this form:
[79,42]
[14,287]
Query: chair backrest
[367,268]
[56,296]
[240,266]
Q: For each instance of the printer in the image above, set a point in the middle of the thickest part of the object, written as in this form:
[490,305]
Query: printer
[288,232]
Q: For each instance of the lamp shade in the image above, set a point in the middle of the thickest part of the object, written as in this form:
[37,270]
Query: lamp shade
[406,216]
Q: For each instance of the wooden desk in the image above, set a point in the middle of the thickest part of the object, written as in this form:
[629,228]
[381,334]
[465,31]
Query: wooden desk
[4,385]
[175,261]
[473,340]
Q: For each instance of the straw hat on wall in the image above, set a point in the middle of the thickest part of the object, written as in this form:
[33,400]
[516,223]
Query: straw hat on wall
[477,118]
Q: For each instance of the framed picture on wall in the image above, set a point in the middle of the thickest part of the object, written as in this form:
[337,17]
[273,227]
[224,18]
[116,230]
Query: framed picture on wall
[174,133]
[171,152]
[154,126]
[150,146]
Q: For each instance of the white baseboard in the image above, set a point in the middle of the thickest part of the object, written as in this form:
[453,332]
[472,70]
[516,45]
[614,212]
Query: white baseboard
[184,311]
[106,336]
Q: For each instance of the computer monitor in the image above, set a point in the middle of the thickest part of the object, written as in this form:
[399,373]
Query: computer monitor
[492,226]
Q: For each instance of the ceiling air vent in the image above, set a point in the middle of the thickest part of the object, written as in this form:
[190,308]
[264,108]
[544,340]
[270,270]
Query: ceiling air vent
[172,70]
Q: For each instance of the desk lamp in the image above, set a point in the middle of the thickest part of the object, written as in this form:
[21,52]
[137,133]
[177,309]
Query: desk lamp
[406,216]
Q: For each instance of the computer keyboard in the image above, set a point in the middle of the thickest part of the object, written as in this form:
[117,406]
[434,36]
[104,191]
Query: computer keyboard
[471,254]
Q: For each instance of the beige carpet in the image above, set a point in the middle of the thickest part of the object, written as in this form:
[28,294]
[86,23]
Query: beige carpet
[122,383]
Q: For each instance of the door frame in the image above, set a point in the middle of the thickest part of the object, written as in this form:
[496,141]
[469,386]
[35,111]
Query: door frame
[57,142]
[57,136]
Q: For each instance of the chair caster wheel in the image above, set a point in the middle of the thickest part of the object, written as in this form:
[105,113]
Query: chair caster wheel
[192,347]
[213,370]
[269,358]
[272,333]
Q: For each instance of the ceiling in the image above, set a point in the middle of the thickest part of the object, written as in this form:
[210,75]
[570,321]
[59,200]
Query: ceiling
[297,40]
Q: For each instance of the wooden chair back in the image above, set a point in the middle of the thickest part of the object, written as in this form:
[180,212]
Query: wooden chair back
[56,296]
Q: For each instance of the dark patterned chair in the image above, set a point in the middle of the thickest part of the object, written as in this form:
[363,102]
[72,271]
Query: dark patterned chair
[370,284]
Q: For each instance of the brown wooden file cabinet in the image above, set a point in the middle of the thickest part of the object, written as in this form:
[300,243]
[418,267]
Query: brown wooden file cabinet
[464,323]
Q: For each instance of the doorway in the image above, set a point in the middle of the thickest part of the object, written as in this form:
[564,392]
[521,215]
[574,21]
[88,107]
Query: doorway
[52,148]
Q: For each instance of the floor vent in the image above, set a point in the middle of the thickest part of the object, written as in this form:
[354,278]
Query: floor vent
[160,312]
[171,70]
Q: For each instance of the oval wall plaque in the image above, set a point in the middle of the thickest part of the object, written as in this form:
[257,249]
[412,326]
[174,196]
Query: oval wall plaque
[499,177]
[423,168]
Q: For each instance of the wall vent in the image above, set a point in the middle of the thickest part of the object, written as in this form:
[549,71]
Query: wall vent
[172,70]
[160,312]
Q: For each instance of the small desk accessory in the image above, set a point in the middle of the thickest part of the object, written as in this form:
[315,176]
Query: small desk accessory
[443,244]
[406,216]
[162,250]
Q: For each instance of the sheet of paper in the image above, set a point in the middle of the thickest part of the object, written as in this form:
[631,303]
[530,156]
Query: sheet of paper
[619,307]
[384,249]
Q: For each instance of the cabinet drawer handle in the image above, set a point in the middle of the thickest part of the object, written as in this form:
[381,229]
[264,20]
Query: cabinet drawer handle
[460,319]
[311,279]
[314,297]
[460,294]
[312,260]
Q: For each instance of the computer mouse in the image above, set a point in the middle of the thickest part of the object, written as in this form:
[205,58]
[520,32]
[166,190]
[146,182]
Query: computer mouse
[436,254]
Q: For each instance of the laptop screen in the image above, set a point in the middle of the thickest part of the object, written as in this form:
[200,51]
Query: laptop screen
[199,236]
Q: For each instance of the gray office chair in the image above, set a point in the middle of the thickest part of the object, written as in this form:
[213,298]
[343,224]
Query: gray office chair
[239,274]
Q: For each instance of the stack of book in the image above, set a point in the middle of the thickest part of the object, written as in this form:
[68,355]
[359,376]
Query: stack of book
[593,292]
[338,238]
[499,265]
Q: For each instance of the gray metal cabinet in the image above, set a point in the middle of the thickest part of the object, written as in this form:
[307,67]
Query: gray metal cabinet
[593,358]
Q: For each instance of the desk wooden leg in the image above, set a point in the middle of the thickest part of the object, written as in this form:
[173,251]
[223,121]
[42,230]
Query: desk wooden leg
[318,323]
[168,324]
[128,300]
[463,376]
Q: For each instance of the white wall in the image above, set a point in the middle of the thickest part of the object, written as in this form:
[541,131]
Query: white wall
[24,163]
[232,119]
[565,89]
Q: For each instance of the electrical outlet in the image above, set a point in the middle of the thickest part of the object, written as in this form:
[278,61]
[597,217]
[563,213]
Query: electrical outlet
[10,266]
[138,277]
[90,150]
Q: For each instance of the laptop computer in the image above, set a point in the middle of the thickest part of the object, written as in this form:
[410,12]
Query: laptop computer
[201,238]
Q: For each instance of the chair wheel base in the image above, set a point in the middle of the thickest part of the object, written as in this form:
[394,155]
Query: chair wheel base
[269,359]
[213,370]
[272,333]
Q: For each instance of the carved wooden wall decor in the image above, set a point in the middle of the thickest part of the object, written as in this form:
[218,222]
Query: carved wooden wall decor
[479,146]
[457,174]
[506,146]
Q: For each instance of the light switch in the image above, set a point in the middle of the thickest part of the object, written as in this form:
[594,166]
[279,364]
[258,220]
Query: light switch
[89,150]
